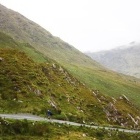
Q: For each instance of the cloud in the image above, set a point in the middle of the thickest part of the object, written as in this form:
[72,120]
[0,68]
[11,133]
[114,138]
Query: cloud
[86,24]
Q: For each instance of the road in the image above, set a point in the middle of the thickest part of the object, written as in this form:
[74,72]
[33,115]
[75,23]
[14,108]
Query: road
[37,118]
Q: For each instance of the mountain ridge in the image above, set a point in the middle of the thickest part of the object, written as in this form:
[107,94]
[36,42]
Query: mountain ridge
[124,59]
[25,30]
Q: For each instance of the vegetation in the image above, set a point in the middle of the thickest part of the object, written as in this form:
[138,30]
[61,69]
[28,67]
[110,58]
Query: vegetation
[27,86]
[108,82]
[33,86]
[40,72]
[30,87]
[81,66]
[17,130]
[8,42]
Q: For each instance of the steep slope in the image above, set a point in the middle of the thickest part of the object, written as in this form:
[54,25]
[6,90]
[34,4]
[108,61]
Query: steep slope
[92,74]
[26,86]
[8,42]
[24,30]
[124,59]
[30,87]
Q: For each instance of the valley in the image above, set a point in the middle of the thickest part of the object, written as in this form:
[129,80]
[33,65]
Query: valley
[39,71]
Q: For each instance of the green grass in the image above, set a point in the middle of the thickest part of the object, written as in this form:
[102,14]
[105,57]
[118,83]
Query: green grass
[30,87]
[84,68]
[108,83]
[8,42]
[32,83]
[16,129]
[35,55]
[27,86]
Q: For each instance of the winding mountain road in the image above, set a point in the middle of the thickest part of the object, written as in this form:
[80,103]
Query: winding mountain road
[37,118]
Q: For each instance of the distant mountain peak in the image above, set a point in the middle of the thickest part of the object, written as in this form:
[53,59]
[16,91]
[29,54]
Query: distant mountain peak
[123,59]
[129,45]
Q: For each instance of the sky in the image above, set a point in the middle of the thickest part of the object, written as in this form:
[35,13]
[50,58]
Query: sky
[88,25]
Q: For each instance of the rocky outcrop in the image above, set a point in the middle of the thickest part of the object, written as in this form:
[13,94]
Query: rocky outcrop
[114,114]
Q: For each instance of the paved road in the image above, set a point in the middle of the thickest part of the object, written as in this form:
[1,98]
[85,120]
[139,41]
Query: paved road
[37,118]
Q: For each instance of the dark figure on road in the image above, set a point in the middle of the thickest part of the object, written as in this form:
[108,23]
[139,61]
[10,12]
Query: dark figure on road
[49,114]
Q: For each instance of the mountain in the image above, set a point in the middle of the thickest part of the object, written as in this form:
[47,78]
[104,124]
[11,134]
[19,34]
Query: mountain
[124,59]
[24,30]
[42,46]
[31,87]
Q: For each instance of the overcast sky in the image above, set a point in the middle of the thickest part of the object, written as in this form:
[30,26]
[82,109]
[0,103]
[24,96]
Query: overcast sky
[88,25]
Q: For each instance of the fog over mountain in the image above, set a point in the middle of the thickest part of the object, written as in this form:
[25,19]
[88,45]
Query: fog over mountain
[123,59]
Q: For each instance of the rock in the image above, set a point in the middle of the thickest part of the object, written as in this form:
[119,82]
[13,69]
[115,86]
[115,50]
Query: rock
[94,93]
[103,98]
[99,100]
[111,106]
[78,107]
[120,97]
[20,101]
[125,98]
[84,135]
[1,59]
[38,92]
[122,124]
[68,99]
[29,88]
[54,66]
[61,69]
[114,100]
[136,122]
[52,103]
[138,117]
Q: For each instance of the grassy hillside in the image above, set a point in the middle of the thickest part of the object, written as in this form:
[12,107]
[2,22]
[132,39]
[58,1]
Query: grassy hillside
[78,64]
[30,87]
[27,86]
[108,82]
[8,42]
